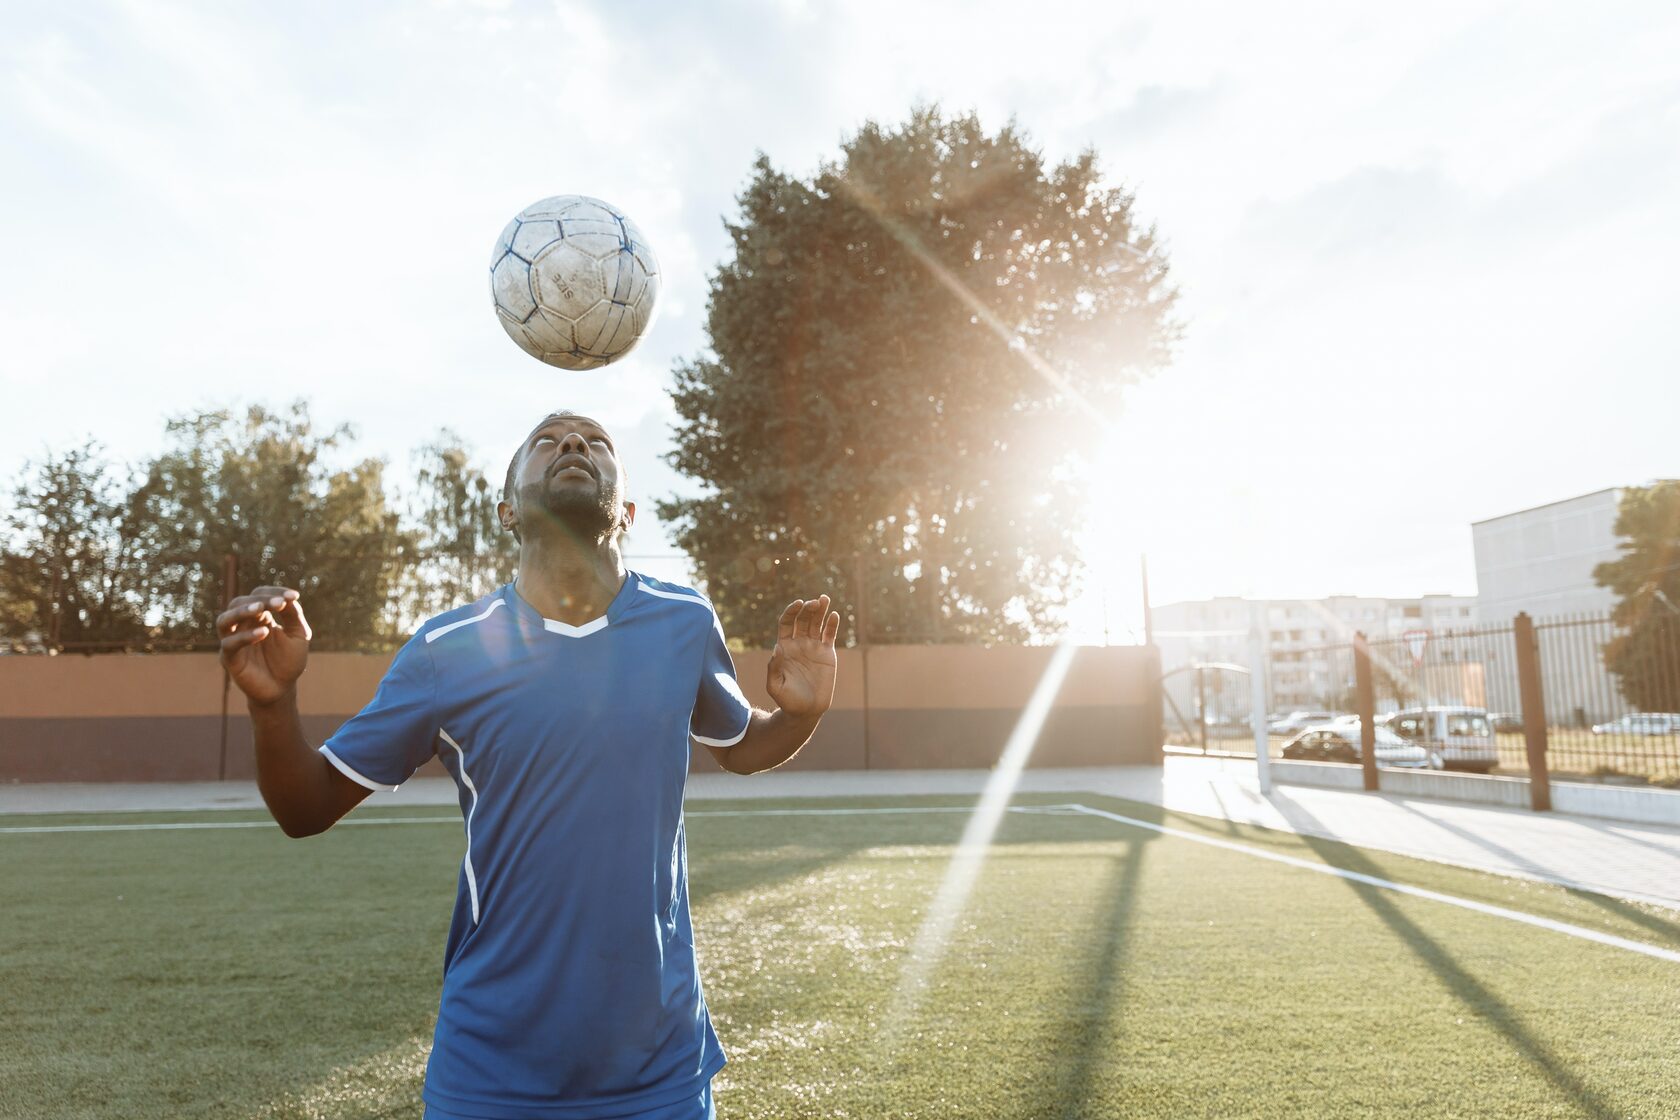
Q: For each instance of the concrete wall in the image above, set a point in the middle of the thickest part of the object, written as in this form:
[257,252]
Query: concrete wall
[1617,803]
[136,718]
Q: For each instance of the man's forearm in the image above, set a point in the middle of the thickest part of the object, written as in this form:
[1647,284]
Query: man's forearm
[771,739]
[290,773]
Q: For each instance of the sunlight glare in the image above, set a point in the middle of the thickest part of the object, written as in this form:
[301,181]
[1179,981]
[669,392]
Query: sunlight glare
[929,946]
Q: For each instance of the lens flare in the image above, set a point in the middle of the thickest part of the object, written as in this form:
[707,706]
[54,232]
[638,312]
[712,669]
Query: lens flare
[935,933]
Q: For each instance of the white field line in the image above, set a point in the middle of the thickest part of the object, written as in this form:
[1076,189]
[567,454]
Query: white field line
[1399,888]
[1071,808]
[173,826]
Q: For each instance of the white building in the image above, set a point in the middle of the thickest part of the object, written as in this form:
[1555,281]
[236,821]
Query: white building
[1541,560]
[1304,642]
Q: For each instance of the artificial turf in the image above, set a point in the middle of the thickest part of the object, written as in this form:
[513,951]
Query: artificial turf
[1097,970]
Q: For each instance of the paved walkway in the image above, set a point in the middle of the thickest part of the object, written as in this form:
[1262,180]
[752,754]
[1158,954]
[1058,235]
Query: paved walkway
[1639,862]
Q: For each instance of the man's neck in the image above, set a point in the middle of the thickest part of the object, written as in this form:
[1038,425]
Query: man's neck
[570,581]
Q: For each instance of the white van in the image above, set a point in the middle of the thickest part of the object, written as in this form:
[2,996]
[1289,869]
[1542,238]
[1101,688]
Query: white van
[1463,737]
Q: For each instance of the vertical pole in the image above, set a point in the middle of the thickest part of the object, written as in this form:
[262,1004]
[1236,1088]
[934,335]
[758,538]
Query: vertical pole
[1157,707]
[1148,623]
[1533,710]
[861,613]
[1366,700]
[1257,698]
[1201,707]
[54,614]
[230,589]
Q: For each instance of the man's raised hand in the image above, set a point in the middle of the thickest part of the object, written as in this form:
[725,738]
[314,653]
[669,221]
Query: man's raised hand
[801,677]
[265,642]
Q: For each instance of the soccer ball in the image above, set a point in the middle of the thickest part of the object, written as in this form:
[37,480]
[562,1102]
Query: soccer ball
[574,282]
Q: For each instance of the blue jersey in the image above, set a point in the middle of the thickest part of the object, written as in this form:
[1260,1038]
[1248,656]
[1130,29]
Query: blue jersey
[569,980]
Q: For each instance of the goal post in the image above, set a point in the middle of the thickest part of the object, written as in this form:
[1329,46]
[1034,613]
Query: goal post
[1257,696]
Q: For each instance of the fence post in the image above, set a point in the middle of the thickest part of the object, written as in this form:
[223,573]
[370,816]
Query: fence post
[1367,701]
[1533,693]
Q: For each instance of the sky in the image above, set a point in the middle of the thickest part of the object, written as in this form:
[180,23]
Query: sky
[1425,253]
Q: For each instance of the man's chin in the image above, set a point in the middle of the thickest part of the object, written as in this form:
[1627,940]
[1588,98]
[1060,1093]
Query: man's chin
[579,509]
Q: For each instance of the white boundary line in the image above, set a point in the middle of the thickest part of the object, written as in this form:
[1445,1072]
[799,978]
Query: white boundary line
[1565,928]
[1399,888]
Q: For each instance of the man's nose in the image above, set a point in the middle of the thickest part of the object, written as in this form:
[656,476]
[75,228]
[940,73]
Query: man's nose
[574,444]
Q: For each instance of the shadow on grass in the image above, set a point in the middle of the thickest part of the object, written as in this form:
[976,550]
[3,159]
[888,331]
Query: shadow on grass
[1475,995]
[1664,928]
[1669,931]
[1225,813]
[1086,1034]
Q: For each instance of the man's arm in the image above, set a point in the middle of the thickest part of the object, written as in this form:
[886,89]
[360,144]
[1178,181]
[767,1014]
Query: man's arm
[800,680]
[771,739]
[265,646]
[304,792]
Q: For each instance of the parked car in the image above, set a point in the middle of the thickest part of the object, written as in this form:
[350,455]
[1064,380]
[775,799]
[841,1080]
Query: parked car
[1641,723]
[1340,742]
[1299,720]
[1506,723]
[1463,737]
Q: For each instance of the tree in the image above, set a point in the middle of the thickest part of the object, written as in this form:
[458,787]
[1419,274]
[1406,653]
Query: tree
[461,551]
[904,352]
[72,574]
[260,485]
[1645,654]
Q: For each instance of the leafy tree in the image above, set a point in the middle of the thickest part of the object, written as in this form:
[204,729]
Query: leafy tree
[1645,655]
[903,351]
[460,549]
[260,485]
[73,574]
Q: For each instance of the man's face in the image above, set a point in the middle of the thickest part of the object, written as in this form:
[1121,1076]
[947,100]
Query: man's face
[568,471]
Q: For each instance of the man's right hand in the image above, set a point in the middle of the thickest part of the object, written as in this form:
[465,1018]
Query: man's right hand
[265,642]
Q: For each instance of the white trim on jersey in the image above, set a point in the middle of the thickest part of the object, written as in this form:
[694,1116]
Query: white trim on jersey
[352,773]
[434,635]
[554,626]
[685,597]
[472,880]
[688,595]
[723,742]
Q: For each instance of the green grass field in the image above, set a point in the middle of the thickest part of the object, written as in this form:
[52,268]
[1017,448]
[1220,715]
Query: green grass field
[1098,970]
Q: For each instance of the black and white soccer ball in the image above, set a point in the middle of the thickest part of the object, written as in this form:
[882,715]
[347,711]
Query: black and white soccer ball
[574,281]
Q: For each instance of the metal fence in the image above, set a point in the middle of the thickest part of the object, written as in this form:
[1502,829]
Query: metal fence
[1602,700]
[1594,676]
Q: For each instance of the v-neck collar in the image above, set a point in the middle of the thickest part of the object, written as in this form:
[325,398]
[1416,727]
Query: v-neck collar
[565,629]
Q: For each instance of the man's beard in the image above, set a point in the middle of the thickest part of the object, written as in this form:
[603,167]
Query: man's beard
[587,515]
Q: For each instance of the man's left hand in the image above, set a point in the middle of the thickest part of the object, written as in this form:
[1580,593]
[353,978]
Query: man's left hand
[801,678]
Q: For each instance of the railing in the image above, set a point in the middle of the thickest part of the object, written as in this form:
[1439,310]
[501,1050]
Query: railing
[1596,700]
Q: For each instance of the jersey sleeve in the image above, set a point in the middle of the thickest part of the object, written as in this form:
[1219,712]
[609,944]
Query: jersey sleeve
[382,745]
[721,711]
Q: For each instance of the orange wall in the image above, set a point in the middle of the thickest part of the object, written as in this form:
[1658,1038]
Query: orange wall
[135,717]
[190,684]
[171,684]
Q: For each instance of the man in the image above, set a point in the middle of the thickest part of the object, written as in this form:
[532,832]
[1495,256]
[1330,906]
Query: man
[562,704]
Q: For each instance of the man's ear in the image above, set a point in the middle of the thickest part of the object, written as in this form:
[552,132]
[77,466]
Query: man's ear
[507,515]
[629,515]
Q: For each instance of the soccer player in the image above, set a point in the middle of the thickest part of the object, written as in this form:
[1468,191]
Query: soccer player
[563,705]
